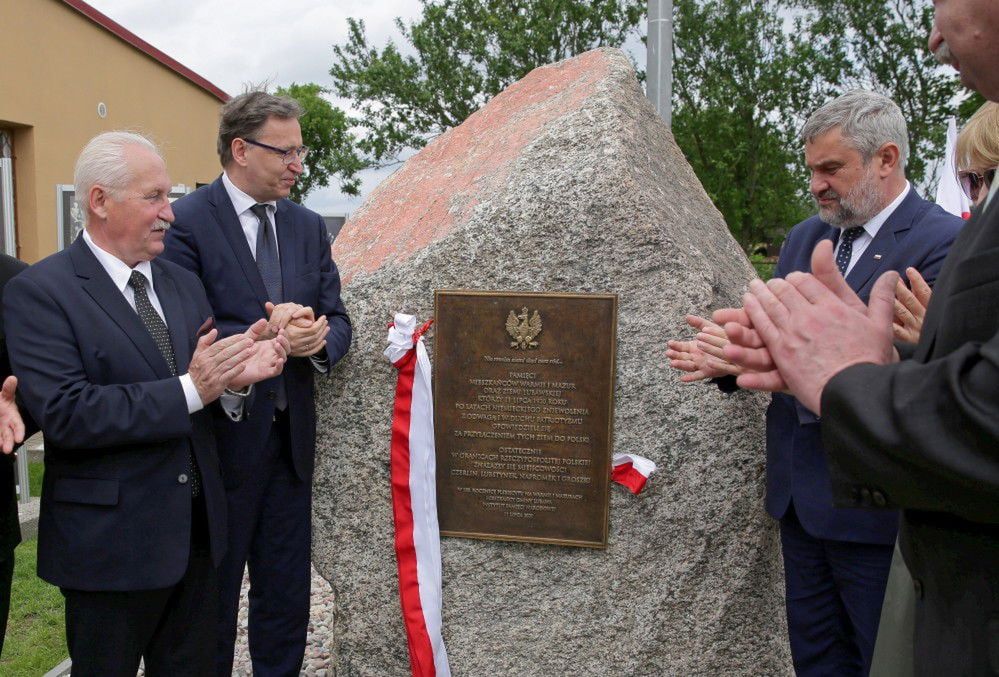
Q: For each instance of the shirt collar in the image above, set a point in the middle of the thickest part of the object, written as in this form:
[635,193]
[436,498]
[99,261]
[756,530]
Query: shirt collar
[241,202]
[118,270]
[874,225]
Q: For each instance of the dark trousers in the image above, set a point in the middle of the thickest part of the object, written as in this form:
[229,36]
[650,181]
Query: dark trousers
[172,628]
[6,576]
[270,531]
[834,591]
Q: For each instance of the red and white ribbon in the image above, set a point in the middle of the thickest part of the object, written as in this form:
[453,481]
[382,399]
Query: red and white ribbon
[631,471]
[414,499]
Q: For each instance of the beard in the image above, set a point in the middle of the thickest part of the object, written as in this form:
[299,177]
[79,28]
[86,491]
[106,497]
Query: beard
[857,207]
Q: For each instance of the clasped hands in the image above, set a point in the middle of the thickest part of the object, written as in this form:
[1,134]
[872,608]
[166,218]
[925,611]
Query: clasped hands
[793,334]
[238,360]
[306,335]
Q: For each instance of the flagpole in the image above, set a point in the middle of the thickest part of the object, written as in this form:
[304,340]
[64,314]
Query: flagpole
[659,58]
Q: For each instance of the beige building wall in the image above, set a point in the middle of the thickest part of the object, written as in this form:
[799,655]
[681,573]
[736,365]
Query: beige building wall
[56,66]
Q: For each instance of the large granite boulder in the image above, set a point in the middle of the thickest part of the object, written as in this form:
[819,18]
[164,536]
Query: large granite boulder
[567,181]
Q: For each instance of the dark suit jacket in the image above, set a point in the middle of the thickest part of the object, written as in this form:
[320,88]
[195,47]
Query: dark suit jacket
[10,530]
[207,239]
[923,435]
[918,234]
[115,514]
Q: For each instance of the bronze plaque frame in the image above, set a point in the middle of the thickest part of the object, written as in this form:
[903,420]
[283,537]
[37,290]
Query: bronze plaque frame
[523,415]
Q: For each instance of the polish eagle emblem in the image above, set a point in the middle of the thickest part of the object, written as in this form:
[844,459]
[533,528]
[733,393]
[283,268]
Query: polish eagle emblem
[522,330]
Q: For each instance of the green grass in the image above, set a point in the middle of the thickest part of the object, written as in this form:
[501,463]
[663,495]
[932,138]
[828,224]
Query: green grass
[35,469]
[36,631]
[764,267]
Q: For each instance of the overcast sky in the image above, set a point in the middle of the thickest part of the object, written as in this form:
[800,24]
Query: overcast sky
[233,43]
[236,42]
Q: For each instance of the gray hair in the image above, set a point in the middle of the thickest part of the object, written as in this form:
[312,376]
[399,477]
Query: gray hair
[243,116]
[102,163]
[867,120]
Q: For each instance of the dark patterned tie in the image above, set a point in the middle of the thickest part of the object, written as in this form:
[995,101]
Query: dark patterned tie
[267,254]
[270,272]
[158,330]
[846,247]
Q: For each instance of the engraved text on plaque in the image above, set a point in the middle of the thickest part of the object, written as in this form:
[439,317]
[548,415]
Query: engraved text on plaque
[523,408]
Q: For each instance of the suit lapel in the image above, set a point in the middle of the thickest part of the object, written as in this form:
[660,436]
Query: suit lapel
[169,297]
[286,247]
[97,283]
[225,216]
[827,233]
[875,257]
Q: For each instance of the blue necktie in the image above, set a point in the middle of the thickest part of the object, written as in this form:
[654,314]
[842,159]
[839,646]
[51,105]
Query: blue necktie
[267,255]
[270,272]
[846,247]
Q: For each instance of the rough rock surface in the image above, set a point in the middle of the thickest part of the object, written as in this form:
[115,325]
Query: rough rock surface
[567,181]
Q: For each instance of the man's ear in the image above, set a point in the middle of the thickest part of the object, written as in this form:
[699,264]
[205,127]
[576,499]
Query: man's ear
[889,158]
[238,149]
[98,200]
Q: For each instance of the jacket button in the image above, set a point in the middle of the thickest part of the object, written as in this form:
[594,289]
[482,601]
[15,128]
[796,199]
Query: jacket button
[879,499]
[182,478]
[271,395]
[865,496]
[917,587]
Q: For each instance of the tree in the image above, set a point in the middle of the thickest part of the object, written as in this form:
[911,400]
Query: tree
[746,76]
[742,84]
[882,46]
[464,53]
[326,132]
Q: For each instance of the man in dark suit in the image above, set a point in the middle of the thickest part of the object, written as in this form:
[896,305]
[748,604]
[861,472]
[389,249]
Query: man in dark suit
[836,560]
[911,429]
[257,251]
[116,361]
[10,528]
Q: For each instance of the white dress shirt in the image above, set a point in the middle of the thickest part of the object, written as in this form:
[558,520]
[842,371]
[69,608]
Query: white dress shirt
[120,274]
[242,202]
[871,229]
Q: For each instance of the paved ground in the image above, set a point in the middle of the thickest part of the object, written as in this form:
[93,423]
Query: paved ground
[317,649]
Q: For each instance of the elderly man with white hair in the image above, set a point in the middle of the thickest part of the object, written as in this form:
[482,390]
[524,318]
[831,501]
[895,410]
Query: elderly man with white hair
[116,359]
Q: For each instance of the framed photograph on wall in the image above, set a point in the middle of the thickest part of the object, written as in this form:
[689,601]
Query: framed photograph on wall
[180,190]
[71,218]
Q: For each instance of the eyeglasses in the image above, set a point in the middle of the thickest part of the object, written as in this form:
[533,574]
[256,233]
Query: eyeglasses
[973,182]
[288,155]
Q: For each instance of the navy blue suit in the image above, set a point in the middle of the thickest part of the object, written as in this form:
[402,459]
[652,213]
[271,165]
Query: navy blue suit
[267,458]
[836,560]
[117,513]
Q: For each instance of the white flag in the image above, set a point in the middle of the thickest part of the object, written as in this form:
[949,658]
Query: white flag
[950,195]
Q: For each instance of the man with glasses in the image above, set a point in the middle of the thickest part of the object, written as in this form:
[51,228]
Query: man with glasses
[256,251]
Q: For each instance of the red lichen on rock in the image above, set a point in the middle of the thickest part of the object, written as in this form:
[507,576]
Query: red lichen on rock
[437,188]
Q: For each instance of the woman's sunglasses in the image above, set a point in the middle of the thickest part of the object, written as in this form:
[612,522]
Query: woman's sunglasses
[973,182]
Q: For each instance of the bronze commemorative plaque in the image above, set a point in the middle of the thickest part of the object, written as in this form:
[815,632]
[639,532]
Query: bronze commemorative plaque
[523,410]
